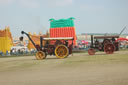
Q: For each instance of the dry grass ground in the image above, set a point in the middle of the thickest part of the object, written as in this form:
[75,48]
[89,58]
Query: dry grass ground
[79,69]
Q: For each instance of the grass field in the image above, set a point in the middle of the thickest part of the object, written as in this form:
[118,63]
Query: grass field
[77,69]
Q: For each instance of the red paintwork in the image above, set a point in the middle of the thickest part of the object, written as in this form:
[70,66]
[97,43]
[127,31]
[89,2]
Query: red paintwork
[64,32]
[121,39]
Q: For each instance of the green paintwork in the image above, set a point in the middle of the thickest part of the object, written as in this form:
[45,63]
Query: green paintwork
[62,23]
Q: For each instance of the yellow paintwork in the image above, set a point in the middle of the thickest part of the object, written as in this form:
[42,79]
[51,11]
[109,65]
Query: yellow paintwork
[5,44]
[40,55]
[6,41]
[58,47]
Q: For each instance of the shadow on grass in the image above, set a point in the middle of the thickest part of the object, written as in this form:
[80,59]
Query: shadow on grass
[12,56]
[49,58]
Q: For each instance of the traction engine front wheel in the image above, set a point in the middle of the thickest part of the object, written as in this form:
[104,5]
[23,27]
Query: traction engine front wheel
[40,55]
[91,51]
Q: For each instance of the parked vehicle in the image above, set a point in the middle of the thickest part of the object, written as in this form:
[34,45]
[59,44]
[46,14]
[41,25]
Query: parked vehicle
[61,48]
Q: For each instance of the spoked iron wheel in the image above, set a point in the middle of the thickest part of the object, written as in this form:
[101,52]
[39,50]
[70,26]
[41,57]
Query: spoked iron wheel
[109,48]
[40,55]
[91,51]
[61,51]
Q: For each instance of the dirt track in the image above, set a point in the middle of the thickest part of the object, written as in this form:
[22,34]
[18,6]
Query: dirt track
[79,69]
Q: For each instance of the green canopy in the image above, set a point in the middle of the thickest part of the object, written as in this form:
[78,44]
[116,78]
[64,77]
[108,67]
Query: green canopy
[62,23]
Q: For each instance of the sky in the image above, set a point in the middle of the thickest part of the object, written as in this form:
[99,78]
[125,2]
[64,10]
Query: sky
[91,16]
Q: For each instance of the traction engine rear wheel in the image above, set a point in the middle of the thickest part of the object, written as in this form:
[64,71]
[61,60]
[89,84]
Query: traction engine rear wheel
[91,51]
[109,48]
[61,51]
[40,55]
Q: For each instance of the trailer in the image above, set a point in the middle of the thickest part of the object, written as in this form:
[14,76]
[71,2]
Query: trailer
[61,48]
[107,44]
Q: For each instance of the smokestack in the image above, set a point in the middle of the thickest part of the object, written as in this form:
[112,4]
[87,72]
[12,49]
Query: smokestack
[91,41]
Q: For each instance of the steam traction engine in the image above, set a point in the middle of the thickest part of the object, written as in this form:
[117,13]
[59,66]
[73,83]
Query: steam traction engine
[107,44]
[61,48]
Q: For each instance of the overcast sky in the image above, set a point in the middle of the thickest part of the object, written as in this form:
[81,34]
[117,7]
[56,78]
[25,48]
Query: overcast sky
[92,16]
